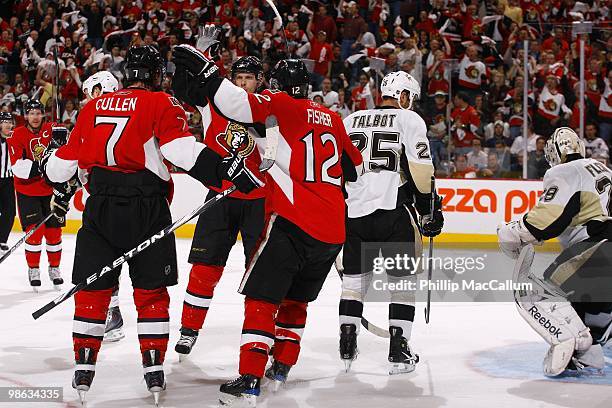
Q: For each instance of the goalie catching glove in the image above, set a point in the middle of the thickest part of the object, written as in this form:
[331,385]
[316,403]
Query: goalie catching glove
[513,236]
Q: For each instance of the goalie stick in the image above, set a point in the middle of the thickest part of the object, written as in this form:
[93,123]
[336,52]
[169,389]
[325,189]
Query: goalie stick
[25,237]
[266,163]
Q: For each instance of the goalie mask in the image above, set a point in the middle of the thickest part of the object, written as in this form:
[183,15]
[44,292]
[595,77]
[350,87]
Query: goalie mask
[563,142]
[395,83]
[103,79]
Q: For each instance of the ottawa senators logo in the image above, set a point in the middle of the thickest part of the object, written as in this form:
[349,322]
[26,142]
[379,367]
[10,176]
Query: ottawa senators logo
[472,72]
[550,105]
[236,138]
[37,149]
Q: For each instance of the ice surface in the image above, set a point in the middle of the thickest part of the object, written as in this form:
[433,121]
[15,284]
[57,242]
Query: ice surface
[472,354]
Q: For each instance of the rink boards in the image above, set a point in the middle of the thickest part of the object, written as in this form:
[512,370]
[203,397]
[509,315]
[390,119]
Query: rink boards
[472,207]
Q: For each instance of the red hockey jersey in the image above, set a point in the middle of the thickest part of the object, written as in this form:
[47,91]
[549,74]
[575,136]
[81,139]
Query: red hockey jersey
[222,135]
[26,148]
[127,131]
[304,186]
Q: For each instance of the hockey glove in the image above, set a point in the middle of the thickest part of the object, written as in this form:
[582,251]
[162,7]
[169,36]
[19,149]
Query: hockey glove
[59,137]
[512,237]
[430,227]
[62,193]
[183,89]
[207,41]
[195,61]
[234,168]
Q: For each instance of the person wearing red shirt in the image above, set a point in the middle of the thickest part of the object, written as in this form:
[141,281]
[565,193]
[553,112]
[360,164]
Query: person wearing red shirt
[321,21]
[305,212]
[321,53]
[465,123]
[34,195]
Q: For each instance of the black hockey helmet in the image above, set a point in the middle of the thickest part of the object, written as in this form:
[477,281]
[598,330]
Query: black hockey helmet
[291,76]
[32,104]
[6,117]
[145,64]
[248,64]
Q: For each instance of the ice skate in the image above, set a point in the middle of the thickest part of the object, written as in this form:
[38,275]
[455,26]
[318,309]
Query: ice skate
[278,373]
[402,359]
[241,392]
[84,373]
[114,325]
[34,276]
[56,277]
[154,374]
[186,342]
[348,345]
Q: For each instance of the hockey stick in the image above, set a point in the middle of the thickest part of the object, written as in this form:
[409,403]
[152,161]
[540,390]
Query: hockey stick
[430,257]
[25,237]
[282,26]
[55,109]
[267,163]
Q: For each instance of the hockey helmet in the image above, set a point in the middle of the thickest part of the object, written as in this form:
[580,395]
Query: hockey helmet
[563,142]
[104,79]
[145,64]
[249,64]
[395,83]
[291,76]
[6,117]
[32,104]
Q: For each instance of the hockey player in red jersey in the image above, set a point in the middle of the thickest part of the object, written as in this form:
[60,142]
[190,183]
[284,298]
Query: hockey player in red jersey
[304,228]
[217,229]
[118,147]
[34,195]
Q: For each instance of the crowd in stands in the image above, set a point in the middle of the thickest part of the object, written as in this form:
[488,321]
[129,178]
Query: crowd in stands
[470,49]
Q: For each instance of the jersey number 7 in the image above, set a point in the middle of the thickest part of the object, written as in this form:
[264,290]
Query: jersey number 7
[119,123]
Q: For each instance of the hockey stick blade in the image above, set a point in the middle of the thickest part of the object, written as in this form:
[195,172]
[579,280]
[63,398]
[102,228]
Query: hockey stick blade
[282,26]
[133,252]
[24,238]
[372,328]
[430,258]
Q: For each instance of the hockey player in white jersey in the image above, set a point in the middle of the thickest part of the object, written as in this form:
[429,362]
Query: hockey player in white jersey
[98,84]
[381,209]
[570,308]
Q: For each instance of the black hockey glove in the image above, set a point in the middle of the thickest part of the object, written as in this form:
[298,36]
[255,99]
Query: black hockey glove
[195,61]
[59,137]
[43,163]
[430,227]
[62,193]
[235,169]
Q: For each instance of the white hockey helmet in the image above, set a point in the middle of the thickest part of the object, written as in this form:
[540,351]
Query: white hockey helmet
[394,83]
[563,142]
[104,79]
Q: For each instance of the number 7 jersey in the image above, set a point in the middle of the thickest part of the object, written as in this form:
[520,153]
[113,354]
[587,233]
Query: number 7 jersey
[396,158]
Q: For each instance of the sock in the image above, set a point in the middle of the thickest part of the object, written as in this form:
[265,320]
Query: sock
[290,323]
[53,238]
[33,246]
[200,289]
[89,321]
[153,319]
[257,336]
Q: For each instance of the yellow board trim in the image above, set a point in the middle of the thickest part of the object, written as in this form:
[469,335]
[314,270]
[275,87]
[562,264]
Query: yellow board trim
[446,240]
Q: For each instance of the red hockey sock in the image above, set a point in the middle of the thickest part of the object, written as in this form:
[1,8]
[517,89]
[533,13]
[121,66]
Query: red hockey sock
[33,246]
[53,237]
[290,323]
[153,319]
[257,336]
[202,282]
[90,307]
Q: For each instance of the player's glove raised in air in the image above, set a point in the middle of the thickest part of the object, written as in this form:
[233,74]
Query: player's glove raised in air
[207,41]
[195,62]
[62,193]
[430,227]
[234,168]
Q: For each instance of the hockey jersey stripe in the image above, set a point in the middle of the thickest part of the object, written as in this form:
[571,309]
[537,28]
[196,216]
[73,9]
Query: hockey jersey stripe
[248,338]
[192,300]
[88,329]
[54,247]
[149,328]
[33,248]
[60,170]
[22,168]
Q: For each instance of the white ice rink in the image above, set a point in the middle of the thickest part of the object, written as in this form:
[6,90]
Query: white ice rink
[472,354]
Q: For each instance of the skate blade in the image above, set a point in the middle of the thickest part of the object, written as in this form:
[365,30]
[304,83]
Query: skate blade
[347,365]
[400,368]
[82,394]
[113,336]
[57,287]
[243,401]
[275,385]
[183,357]
[35,289]
[156,391]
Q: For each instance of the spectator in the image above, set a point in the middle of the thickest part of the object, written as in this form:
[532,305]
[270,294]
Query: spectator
[465,123]
[476,158]
[594,145]
[536,161]
[472,74]
[341,107]
[493,169]
[330,97]
[437,127]
[497,131]
[321,53]
[354,27]
[462,170]
[361,95]
[552,111]
[321,21]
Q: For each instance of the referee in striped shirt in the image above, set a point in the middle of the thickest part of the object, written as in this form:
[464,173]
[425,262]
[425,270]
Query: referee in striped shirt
[7,190]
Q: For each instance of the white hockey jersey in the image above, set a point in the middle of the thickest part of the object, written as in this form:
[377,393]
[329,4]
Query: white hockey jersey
[395,150]
[576,195]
